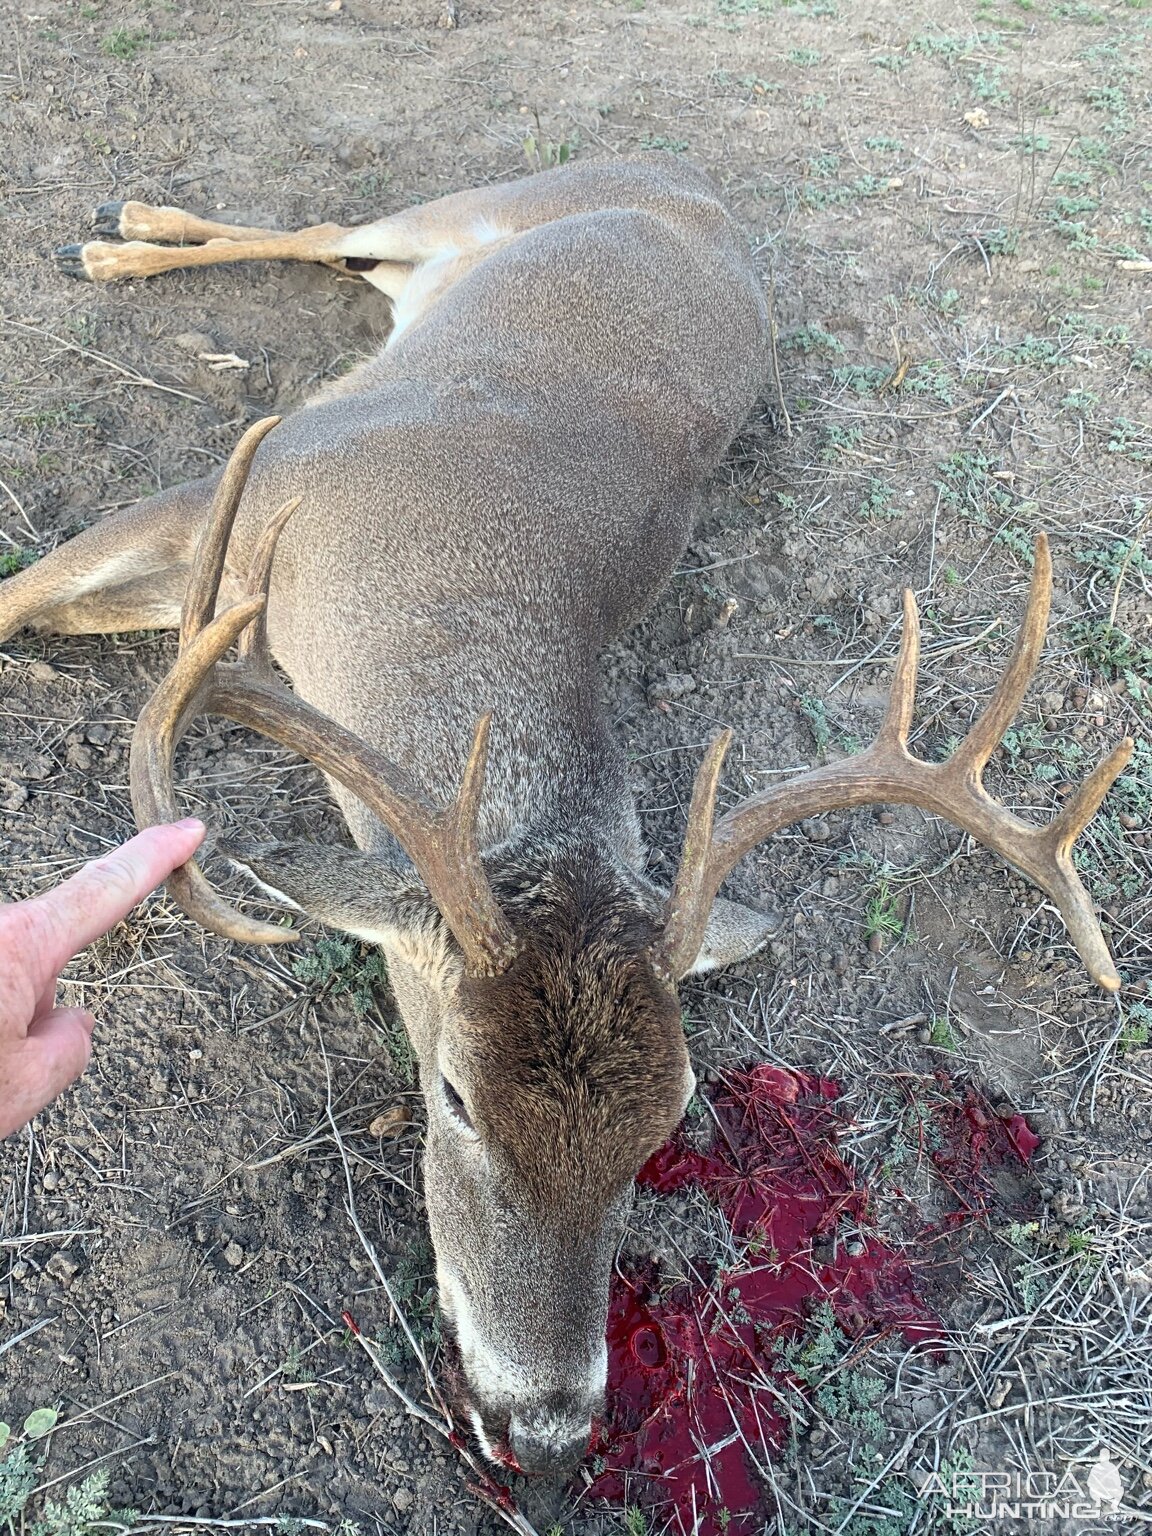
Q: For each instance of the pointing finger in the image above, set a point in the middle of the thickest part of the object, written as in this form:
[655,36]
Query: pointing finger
[58,924]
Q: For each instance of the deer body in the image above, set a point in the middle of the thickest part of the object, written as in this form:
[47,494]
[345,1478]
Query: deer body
[484,503]
[504,487]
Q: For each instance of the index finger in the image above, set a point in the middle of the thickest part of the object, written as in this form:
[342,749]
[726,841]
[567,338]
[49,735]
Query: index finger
[63,921]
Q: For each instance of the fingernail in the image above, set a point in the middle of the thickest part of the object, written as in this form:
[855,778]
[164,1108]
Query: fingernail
[191,824]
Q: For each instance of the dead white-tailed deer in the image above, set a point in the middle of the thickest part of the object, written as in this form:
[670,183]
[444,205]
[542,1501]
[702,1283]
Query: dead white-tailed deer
[480,507]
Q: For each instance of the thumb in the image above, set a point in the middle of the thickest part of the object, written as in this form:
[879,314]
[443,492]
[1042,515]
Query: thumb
[52,1055]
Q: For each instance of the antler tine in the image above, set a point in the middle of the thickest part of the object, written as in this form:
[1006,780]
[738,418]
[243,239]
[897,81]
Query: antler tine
[887,773]
[897,720]
[694,890]
[253,643]
[1080,807]
[162,723]
[442,844]
[984,736]
[208,562]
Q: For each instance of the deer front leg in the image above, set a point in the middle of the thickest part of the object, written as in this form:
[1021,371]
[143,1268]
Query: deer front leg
[124,573]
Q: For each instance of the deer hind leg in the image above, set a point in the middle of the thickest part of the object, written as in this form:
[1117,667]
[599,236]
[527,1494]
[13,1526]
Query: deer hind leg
[140,230]
[127,572]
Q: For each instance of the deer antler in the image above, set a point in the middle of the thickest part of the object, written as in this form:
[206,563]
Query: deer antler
[887,773]
[441,844]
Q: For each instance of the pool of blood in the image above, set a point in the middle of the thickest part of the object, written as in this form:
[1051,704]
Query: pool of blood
[695,1372]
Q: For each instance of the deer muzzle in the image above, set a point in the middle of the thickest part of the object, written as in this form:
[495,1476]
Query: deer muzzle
[534,1415]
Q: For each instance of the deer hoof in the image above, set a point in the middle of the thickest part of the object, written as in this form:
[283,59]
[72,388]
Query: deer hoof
[106,219]
[70,261]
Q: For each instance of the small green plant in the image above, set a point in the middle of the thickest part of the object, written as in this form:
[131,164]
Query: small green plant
[125,43]
[940,45]
[859,377]
[1019,541]
[1131,438]
[839,440]
[816,1361]
[878,504]
[943,1035]
[635,1522]
[660,141]
[83,1511]
[1137,1028]
[1080,401]
[1000,241]
[544,154]
[882,913]
[821,196]
[13,560]
[810,338]
[967,482]
[344,967]
[804,58]
[815,712]
[20,1469]
[988,86]
[19,1473]
[1079,11]
[930,380]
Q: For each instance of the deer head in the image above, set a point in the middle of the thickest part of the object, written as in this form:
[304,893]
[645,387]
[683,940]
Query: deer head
[538,981]
[547,1085]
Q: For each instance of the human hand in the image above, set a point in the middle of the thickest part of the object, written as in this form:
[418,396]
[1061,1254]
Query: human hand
[44,1048]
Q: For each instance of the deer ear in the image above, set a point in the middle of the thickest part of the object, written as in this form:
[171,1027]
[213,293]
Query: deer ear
[733,933]
[360,893]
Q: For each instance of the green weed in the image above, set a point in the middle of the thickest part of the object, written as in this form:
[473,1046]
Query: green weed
[544,154]
[929,380]
[125,43]
[837,440]
[878,504]
[881,912]
[18,1478]
[13,560]
[659,141]
[943,1035]
[1137,1028]
[1131,438]
[1000,241]
[987,86]
[1080,401]
[967,483]
[344,967]
[810,338]
[939,45]
[859,378]
[815,712]
[84,1510]
[845,1394]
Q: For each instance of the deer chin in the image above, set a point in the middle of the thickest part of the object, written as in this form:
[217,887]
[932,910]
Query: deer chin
[534,1433]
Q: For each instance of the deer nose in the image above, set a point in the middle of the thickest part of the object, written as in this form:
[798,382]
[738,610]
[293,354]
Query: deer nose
[548,1454]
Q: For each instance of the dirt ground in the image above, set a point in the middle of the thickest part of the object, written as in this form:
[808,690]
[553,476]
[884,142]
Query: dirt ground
[953,206]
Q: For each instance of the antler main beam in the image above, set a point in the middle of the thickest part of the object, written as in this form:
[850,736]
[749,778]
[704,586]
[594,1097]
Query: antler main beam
[441,844]
[887,774]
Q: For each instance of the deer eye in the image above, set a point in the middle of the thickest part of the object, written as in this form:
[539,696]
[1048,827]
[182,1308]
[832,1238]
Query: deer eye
[456,1104]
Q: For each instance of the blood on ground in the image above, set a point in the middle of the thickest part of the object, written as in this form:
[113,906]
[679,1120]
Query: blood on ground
[696,1373]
